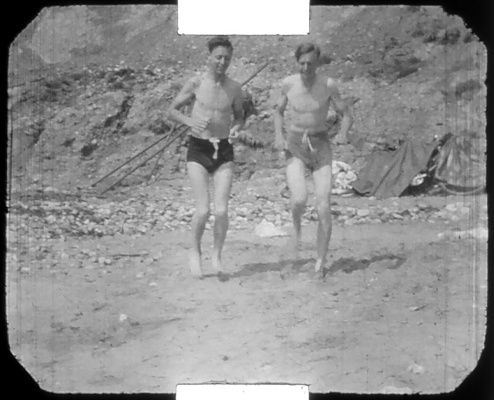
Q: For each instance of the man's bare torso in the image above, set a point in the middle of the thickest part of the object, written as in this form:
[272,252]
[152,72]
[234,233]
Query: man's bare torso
[308,107]
[213,102]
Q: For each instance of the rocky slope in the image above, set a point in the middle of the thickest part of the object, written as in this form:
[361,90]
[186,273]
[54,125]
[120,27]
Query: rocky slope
[88,85]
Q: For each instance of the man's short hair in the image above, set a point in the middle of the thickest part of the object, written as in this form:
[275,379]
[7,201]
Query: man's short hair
[219,41]
[306,48]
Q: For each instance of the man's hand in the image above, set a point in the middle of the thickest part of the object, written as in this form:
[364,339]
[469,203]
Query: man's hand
[199,124]
[332,133]
[234,134]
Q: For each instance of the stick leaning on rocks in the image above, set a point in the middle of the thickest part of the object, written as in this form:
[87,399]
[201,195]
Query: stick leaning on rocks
[181,131]
[172,139]
[134,157]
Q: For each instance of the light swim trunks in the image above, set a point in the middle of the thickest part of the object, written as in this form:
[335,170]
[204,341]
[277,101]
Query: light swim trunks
[314,149]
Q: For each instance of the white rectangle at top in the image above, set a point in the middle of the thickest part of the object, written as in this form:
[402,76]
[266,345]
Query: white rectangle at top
[241,17]
[242,392]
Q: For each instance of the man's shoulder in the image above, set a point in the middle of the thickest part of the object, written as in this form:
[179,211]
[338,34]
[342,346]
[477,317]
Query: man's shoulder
[288,82]
[194,81]
[291,79]
[328,81]
[233,83]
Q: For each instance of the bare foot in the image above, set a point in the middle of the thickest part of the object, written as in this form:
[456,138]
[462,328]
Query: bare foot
[290,251]
[216,261]
[318,265]
[195,265]
[286,271]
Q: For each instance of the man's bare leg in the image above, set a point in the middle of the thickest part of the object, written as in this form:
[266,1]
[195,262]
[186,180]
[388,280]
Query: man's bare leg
[323,186]
[295,174]
[199,179]
[222,179]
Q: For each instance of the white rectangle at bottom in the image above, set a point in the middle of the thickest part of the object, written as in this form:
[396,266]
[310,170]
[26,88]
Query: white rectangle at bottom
[242,392]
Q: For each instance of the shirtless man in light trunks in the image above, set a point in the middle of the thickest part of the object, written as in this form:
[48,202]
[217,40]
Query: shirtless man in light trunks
[307,142]
[210,153]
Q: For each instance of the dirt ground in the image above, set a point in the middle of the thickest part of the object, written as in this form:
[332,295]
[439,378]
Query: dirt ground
[400,308]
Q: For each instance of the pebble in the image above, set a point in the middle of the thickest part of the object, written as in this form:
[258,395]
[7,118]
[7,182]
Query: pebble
[416,368]
[268,229]
[351,211]
[451,207]
[51,219]
[363,213]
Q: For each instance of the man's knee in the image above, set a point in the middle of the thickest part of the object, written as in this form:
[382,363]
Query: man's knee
[299,200]
[202,212]
[323,206]
[323,196]
[221,211]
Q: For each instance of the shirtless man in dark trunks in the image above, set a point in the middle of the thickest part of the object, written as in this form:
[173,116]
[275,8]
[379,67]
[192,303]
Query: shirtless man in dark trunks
[210,154]
[306,143]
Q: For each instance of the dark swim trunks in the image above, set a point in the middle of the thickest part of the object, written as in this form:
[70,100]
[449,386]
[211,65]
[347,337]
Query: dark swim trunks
[314,149]
[203,152]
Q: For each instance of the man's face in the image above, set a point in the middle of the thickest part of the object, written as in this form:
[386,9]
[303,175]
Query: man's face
[219,59]
[308,64]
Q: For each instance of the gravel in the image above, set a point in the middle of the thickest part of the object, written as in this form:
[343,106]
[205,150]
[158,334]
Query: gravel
[59,215]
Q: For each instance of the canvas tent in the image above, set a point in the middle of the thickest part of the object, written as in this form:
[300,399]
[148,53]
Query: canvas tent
[389,173]
[458,166]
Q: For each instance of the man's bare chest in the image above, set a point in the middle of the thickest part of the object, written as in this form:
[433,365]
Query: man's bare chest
[213,96]
[314,99]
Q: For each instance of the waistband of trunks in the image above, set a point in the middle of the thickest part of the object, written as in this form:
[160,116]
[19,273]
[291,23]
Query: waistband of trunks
[299,131]
[201,141]
[303,136]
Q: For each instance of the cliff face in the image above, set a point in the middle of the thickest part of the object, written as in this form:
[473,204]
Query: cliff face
[136,34]
[90,83]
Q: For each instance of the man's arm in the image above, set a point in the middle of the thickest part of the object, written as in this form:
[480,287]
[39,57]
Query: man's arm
[279,111]
[185,95]
[342,109]
[238,112]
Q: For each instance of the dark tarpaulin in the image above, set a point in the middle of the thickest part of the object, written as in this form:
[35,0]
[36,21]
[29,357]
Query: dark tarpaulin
[388,173]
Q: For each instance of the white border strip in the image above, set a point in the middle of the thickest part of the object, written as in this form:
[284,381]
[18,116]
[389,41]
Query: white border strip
[242,392]
[243,17]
